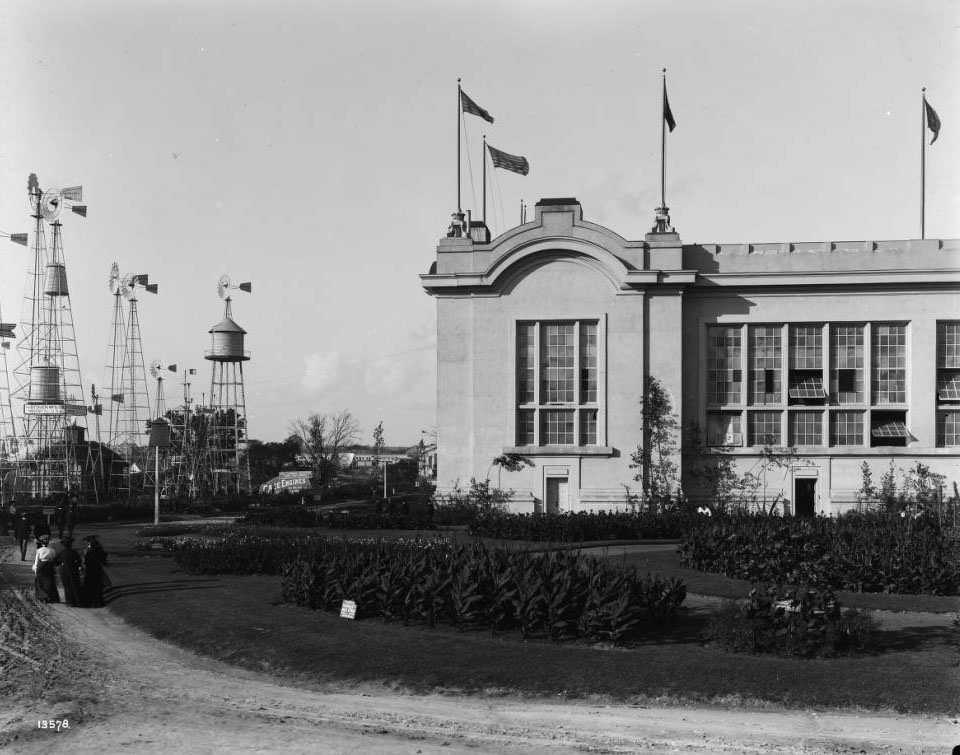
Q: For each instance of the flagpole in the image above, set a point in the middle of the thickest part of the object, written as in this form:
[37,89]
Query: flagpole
[923,162]
[484,158]
[459,100]
[663,144]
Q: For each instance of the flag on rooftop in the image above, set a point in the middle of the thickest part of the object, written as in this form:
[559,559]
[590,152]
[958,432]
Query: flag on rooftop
[933,120]
[510,162]
[469,106]
[667,113]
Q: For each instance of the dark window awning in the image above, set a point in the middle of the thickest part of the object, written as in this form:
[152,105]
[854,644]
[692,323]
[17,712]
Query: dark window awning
[948,388]
[808,387]
[894,429]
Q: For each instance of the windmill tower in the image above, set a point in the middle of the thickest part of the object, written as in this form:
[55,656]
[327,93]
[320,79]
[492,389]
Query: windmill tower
[168,480]
[184,443]
[9,445]
[129,395]
[54,411]
[227,463]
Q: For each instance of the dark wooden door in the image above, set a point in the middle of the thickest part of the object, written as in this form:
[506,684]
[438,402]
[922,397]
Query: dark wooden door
[805,496]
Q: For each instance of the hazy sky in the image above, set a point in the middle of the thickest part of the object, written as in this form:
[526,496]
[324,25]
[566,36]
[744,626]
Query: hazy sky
[310,147]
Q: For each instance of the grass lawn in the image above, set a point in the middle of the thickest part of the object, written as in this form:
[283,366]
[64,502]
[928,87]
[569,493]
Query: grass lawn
[241,620]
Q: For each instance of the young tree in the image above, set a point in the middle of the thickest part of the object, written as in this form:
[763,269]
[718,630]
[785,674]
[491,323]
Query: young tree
[656,455]
[322,438]
[378,442]
[510,462]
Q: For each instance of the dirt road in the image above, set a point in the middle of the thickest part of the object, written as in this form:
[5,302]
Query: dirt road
[149,696]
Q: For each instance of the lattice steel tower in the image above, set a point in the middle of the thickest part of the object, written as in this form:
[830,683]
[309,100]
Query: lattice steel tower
[54,410]
[129,395]
[228,466]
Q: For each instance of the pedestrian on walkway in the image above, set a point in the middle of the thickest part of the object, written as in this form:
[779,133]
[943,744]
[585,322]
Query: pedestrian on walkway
[69,563]
[71,516]
[45,584]
[95,577]
[22,532]
[60,517]
[41,526]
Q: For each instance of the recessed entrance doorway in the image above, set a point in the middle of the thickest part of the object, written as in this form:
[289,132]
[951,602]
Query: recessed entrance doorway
[557,494]
[805,497]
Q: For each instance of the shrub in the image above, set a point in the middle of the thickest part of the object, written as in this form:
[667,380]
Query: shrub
[863,552]
[580,526]
[806,622]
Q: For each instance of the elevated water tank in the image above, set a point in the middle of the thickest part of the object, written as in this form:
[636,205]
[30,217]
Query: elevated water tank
[44,385]
[227,343]
[56,284]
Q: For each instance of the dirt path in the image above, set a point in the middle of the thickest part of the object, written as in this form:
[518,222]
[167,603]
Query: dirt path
[150,696]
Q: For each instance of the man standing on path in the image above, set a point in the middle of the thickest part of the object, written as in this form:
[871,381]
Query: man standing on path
[22,532]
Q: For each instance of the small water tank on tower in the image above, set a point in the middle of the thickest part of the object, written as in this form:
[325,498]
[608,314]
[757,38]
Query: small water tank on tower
[44,384]
[227,343]
[56,283]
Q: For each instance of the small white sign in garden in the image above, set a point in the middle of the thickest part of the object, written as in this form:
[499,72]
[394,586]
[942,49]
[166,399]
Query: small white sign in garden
[348,609]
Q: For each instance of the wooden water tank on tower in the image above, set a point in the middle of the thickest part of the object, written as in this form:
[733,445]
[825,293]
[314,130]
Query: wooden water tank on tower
[227,343]
[44,384]
[56,283]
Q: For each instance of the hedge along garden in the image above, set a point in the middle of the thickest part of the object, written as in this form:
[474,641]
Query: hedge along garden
[874,552]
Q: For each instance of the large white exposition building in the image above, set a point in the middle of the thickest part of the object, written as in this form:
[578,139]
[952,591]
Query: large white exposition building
[847,351]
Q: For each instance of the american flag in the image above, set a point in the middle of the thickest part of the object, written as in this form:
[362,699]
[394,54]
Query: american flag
[469,106]
[510,162]
[667,112]
[933,121]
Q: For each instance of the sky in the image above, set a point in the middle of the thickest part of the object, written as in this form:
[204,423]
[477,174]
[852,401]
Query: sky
[310,148]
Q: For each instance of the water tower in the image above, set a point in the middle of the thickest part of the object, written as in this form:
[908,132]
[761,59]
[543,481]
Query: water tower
[227,463]
[54,407]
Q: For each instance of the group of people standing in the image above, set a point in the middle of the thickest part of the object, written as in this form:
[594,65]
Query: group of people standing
[83,577]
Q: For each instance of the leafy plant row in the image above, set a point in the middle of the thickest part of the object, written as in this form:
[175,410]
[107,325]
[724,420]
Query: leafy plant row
[806,621]
[556,595]
[581,526]
[875,552]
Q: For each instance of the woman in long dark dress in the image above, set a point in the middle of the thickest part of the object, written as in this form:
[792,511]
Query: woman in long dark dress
[69,563]
[94,561]
[45,584]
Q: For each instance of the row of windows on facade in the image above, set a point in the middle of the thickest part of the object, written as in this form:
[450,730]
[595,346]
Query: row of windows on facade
[807,428]
[558,366]
[808,363]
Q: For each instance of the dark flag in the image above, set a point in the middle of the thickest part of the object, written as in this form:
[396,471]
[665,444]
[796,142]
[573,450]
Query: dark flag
[933,120]
[469,106]
[509,162]
[667,113]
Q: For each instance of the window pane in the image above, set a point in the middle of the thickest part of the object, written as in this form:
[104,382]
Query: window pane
[588,363]
[765,364]
[764,428]
[723,429]
[588,427]
[846,428]
[888,379]
[846,364]
[724,379]
[806,347]
[525,420]
[556,426]
[526,363]
[948,345]
[806,428]
[556,365]
[948,429]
